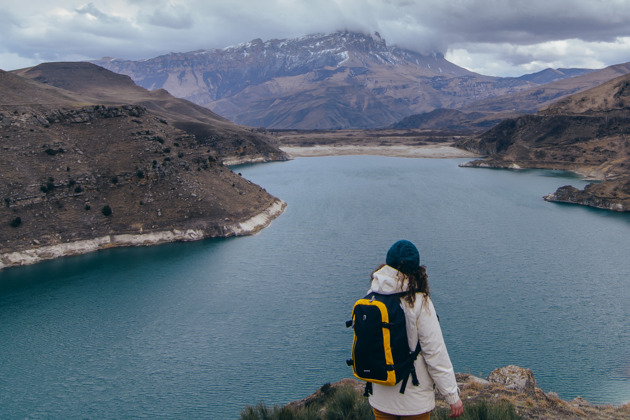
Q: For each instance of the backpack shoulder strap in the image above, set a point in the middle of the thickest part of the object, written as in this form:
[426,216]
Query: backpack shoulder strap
[414,377]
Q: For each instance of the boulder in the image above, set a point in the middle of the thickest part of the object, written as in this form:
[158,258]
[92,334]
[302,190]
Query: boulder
[514,377]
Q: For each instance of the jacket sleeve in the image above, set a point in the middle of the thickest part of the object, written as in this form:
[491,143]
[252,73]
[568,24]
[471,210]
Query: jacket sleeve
[434,352]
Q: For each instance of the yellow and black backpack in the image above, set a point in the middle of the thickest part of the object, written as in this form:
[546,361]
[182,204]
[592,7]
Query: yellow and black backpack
[380,350]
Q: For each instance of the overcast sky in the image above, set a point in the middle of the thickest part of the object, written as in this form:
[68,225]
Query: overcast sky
[492,37]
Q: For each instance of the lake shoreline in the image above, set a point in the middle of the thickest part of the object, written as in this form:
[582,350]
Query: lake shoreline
[35,255]
[249,227]
[432,151]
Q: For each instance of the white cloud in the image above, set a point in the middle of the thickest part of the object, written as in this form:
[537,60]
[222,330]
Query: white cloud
[173,15]
[503,59]
[488,36]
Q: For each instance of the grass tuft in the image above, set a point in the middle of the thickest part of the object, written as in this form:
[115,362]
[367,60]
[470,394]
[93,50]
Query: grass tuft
[482,410]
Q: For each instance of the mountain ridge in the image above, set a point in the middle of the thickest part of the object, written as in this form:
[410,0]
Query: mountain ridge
[344,80]
[482,115]
[322,81]
[549,74]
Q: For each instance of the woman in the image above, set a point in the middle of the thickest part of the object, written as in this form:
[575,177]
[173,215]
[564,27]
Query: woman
[403,273]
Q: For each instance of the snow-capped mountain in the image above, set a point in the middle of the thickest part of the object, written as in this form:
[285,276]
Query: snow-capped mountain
[339,80]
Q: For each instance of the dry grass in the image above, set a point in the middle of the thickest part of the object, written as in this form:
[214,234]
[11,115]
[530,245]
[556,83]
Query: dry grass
[537,405]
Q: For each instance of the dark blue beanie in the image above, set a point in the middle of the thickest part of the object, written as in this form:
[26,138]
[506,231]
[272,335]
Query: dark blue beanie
[403,256]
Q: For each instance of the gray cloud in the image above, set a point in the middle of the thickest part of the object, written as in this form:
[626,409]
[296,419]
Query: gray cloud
[171,16]
[488,36]
[90,10]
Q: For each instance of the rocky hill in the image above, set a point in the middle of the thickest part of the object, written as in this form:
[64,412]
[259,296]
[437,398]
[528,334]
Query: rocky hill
[78,174]
[587,133]
[229,142]
[340,80]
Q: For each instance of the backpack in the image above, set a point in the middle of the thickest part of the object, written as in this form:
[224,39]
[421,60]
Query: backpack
[380,350]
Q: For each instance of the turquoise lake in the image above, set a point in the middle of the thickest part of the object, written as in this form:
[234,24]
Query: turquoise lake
[203,329]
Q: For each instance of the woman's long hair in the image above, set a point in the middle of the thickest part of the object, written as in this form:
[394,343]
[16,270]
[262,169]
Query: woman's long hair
[418,281]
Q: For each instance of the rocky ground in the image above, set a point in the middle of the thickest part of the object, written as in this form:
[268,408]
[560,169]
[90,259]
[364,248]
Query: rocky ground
[515,385]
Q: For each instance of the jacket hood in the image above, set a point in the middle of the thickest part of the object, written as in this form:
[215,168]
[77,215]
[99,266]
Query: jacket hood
[385,281]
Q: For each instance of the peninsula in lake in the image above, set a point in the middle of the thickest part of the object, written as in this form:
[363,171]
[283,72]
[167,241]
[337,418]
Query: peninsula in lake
[587,133]
[90,160]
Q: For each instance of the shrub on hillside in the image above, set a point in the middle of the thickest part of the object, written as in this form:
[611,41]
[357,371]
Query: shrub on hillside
[481,410]
[343,403]
[48,186]
[348,404]
[262,412]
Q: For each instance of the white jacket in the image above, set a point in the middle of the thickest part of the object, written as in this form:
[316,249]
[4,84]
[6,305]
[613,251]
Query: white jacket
[433,365]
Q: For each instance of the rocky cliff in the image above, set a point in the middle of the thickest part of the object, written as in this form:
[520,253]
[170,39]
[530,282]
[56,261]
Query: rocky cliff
[78,176]
[586,133]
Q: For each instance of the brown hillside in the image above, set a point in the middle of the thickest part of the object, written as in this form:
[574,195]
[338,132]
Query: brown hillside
[612,96]
[229,141]
[73,172]
[19,92]
[530,100]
